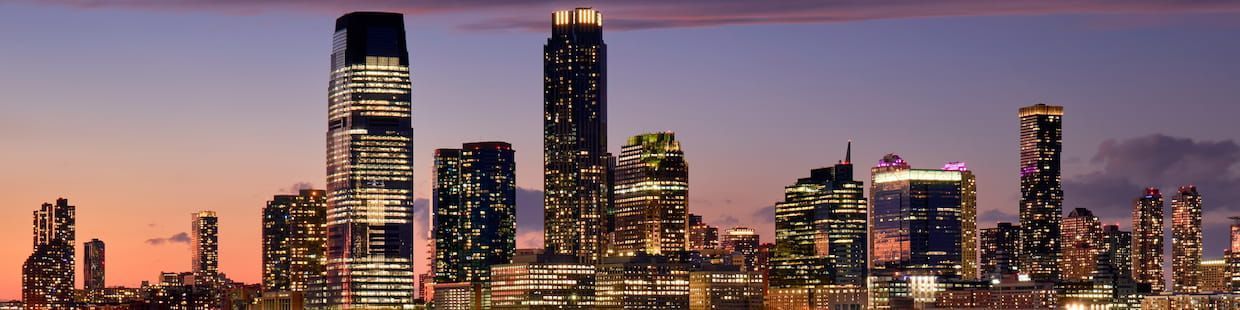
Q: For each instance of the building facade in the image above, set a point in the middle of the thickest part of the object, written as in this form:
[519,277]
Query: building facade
[641,282]
[1082,241]
[742,245]
[920,219]
[999,249]
[93,265]
[1186,240]
[1233,255]
[1147,240]
[651,196]
[1041,200]
[538,281]
[48,273]
[369,166]
[820,230]
[725,289]
[1214,276]
[294,235]
[576,162]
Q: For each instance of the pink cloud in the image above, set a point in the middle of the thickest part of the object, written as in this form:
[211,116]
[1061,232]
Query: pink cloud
[652,14]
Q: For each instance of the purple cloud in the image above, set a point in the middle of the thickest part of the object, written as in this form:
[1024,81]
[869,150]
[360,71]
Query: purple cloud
[533,15]
[177,238]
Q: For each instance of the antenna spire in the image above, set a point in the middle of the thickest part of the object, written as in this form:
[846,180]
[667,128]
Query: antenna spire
[848,153]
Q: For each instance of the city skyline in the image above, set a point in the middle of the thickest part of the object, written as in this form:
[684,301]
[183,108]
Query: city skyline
[122,246]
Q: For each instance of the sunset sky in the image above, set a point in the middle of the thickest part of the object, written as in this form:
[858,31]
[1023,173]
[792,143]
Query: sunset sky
[143,111]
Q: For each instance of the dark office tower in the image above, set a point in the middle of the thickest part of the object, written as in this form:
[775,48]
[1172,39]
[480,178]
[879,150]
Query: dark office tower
[1147,240]
[294,233]
[919,218]
[1082,242]
[820,230]
[575,154]
[651,196]
[999,250]
[1041,200]
[701,235]
[1186,240]
[369,166]
[475,211]
[205,248]
[47,275]
[1117,248]
[92,268]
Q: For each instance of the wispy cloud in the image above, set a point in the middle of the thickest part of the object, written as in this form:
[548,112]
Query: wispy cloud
[653,14]
[177,238]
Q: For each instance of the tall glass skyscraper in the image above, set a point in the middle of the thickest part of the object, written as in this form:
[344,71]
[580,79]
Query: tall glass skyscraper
[369,166]
[920,219]
[1147,240]
[475,202]
[93,268]
[205,248]
[1041,199]
[652,196]
[1186,240]
[820,230]
[1082,238]
[294,235]
[47,275]
[576,163]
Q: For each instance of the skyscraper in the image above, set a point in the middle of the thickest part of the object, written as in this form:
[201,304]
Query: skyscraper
[1082,242]
[92,268]
[919,218]
[47,275]
[205,248]
[651,196]
[369,166]
[575,158]
[1147,240]
[1041,200]
[820,229]
[1000,250]
[1186,240]
[294,235]
[474,211]
[1117,250]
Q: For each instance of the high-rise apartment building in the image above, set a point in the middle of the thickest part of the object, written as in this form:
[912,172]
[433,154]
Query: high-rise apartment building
[651,196]
[1147,240]
[369,166]
[93,265]
[294,236]
[820,229]
[1041,200]
[47,274]
[1082,242]
[1116,250]
[1186,240]
[475,201]
[576,162]
[921,219]
[205,248]
[1000,250]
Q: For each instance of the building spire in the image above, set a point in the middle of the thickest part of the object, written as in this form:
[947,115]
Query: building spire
[848,153]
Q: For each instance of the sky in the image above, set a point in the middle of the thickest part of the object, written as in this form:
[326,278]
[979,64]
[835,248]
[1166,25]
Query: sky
[142,112]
